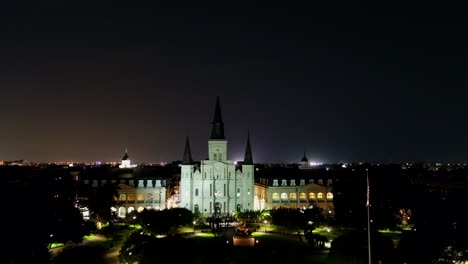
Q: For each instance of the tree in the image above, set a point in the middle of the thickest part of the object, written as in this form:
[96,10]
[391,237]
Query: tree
[101,200]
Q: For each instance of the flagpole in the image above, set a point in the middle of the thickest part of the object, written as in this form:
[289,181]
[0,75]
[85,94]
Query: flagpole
[368,218]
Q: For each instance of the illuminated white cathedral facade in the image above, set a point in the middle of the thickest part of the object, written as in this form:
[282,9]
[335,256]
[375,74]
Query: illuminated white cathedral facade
[218,186]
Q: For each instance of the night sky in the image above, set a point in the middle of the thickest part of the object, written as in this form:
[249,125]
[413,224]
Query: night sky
[342,82]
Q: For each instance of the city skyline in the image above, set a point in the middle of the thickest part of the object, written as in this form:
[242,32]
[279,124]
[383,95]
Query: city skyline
[342,83]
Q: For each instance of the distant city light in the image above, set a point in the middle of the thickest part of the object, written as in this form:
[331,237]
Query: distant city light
[315,163]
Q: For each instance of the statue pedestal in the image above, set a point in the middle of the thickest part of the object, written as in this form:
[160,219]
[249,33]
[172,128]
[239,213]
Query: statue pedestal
[243,241]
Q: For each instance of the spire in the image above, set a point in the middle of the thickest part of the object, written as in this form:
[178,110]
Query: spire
[187,154]
[304,158]
[217,126]
[248,152]
[125,157]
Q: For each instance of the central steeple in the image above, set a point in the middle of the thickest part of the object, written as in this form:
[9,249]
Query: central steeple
[217,144]
[217,126]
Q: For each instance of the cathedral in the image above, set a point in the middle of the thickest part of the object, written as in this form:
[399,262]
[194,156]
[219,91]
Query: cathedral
[217,186]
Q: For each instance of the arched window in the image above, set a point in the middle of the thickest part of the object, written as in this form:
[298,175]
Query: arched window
[293,196]
[319,195]
[217,208]
[122,212]
[238,192]
[196,192]
[131,197]
[302,197]
[149,198]
[311,196]
[329,195]
[122,197]
[284,197]
[140,209]
[215,156]
[196,209]
[141,197]
[275,197]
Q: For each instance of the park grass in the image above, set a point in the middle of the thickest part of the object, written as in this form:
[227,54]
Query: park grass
[55,245]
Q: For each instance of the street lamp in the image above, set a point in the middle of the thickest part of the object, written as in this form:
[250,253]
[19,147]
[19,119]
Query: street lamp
[265,222]
[194,223]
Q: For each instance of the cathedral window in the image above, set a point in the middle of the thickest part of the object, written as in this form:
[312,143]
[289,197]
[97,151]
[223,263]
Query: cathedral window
[196,209]
[224,190]
[211,190]
[196,192]
[238,192]
[284,197]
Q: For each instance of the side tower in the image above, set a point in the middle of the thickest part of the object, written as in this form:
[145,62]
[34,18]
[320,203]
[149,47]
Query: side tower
[186,178]
[248,170]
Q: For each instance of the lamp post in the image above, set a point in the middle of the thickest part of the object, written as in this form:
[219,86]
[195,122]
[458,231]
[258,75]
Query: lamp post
[265,222]
[194,223]
[368,219]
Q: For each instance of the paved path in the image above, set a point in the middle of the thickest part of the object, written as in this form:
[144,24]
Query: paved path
[93,250]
